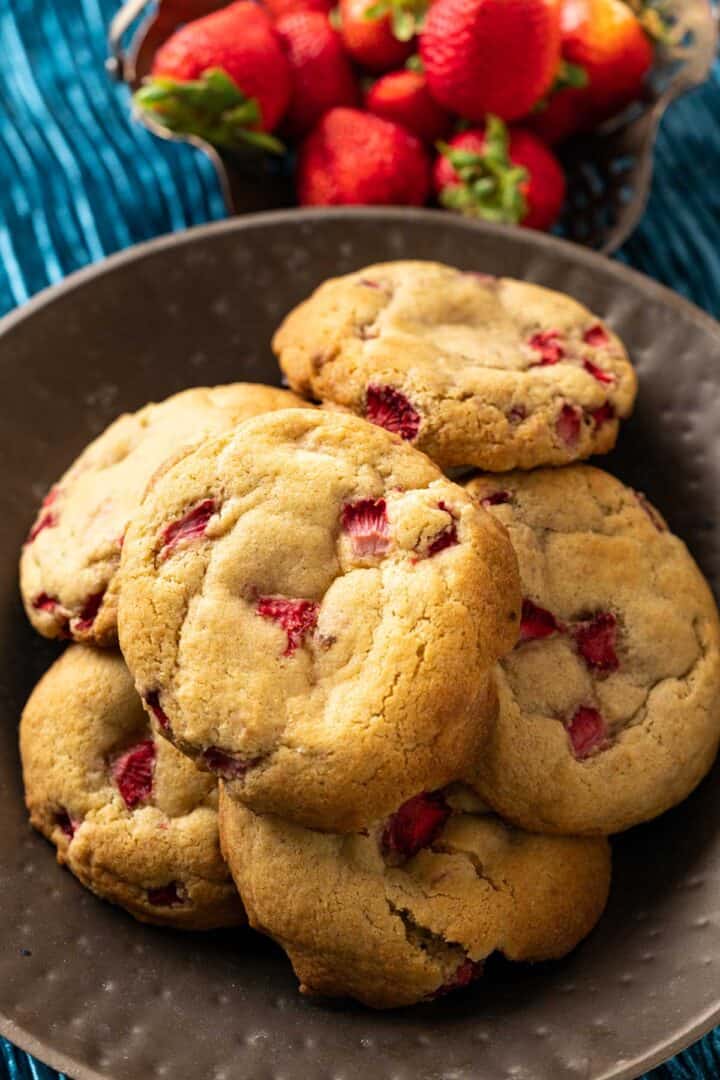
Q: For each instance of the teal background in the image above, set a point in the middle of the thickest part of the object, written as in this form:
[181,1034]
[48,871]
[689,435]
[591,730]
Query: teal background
[79,180]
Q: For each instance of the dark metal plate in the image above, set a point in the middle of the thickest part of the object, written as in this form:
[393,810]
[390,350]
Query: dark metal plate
[98,995]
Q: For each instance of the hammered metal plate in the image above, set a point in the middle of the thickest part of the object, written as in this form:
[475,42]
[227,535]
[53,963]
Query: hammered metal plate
[94,993]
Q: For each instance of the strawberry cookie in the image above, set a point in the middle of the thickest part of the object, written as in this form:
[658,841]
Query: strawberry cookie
[473,370]
[71,554]
[411,910]
[609,704]
[312,611]
[132,818]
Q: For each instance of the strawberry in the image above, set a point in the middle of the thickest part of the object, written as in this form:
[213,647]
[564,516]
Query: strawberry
[403,97]
[605,41]
[374,37]
[321,74]
[354,157]
[491,56]
[223,77]
[278,8]
[500,175]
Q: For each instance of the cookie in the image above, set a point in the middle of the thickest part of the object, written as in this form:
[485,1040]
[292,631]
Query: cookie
[311,610]
[131,817]
[72,552]
[413,909]
[609,705]
[474,370]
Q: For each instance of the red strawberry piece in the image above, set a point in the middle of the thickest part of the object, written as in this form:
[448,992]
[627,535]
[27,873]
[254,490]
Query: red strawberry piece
[490,56]
[568,424]
[43,602]
[467,972]
[189,527]
[596,640]
[501,175]
[404,98]
[152,700]
[369,35]
[496,498]
[227,765]
[537,622]
[597,336]
[67,823]
[278,8]
[133,773]
[223,77]
[297,618]
[602,414]
[47,518]
[587,731]
[51,605]
[165,895]
[390,409]
[598,373]
[321,74]
[366,522]
[415,825]
[89,612]
[650,511]
[447,537]
[547,343]
[351,157]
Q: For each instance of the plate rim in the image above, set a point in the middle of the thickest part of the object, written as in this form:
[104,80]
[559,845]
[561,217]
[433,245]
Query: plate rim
[194,233]
[552,245]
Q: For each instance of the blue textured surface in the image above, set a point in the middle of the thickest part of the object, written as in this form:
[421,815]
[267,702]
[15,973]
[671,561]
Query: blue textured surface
[79,180]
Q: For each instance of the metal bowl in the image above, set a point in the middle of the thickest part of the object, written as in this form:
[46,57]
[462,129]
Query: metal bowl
[608,171]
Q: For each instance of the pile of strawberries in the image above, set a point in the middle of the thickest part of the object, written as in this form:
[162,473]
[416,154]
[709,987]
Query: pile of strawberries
[405,101]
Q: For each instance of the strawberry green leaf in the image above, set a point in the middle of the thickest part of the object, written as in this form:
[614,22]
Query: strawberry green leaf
[488,184]
[404,25]
[569,75]
[414,63]
[212,107]
[376,10]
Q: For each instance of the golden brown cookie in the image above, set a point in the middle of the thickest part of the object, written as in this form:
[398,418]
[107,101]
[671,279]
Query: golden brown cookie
[131,817]
[69,560]
[412,909]
[609,705]
[473,370]
[311,609]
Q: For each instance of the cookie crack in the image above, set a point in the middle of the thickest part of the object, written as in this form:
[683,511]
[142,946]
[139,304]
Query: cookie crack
[443,847]
[447,954]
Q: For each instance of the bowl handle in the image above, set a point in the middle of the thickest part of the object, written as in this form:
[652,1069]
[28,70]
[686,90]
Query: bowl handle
[119,26]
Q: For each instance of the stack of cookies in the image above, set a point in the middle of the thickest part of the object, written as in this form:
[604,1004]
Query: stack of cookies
[388,716]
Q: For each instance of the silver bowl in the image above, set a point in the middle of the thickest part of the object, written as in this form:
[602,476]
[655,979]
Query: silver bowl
[608,171]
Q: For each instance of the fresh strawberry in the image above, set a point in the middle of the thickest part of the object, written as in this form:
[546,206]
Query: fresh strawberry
[354,157]
[403,97]
[606,39]
[374,36]
[491,56]
[278,8]
[500,175]
[605,42]
[321,74]
[223,77]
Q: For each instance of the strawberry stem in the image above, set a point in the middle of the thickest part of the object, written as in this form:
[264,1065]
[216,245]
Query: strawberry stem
[212,107]
[406,16]
[490,186]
